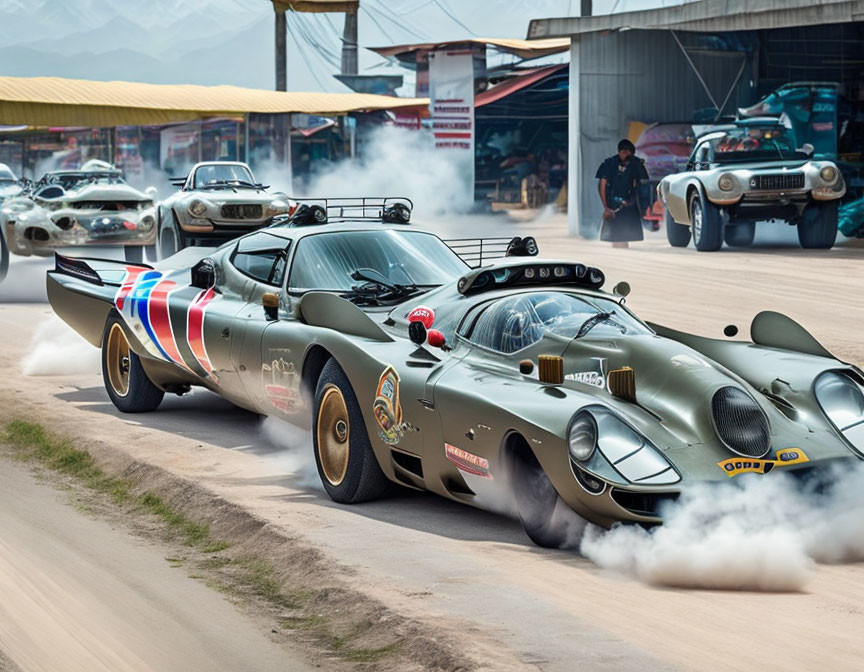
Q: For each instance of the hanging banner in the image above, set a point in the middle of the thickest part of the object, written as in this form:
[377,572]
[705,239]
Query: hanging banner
[451,103]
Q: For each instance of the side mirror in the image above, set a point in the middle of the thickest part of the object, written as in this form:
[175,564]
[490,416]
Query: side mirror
[417,332]
[522,247]
[204,274]
[270,301]
[622,289]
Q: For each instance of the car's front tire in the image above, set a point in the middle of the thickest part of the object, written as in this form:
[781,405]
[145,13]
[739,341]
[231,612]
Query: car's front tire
[171,238]
[707,224]
[346,462]
[677,234]
[4,258]
[818,227]
[128,386]
[535,497]
[740,234]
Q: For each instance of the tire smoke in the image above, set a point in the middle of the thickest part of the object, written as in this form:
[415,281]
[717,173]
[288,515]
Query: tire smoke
[755,533]
[58,350]
[292,451]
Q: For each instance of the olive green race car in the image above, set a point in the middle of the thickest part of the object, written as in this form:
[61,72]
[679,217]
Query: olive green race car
[519,377]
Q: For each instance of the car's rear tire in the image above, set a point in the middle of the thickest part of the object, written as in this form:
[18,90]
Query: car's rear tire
[707,224]
[818,227]
[4,258]
[128,386]
[347,465]
[677,234]
[535,497]
[740,234]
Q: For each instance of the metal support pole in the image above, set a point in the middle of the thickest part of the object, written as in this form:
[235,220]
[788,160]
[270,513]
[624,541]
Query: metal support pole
[349,44]
[289,168]
[587,9]
[574,152]
[695,69]
[281,57]
[246,139]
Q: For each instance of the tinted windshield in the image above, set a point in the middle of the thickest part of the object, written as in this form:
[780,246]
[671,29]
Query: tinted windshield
[515,322]
[327,260]
[229,173]
[756,143]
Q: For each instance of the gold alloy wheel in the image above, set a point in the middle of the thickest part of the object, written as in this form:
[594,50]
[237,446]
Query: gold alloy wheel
[333,435]
[117,360]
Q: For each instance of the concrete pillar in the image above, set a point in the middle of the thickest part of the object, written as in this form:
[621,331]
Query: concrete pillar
[574,153]
[349,44]
[281,57]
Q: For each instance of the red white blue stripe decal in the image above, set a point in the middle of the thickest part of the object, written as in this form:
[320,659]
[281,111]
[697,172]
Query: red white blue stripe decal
[195,328]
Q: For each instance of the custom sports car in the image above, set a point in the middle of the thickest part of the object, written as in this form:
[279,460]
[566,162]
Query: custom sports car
[91,206]
[217,201]
[520,376]
[748,172]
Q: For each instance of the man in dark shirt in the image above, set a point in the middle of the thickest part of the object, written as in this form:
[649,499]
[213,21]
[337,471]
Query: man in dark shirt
[619,177]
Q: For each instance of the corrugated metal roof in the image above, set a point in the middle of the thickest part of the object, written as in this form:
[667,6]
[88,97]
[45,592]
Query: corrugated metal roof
[315,6]
[521,48]
[54,101]
[515,84]
[707,16]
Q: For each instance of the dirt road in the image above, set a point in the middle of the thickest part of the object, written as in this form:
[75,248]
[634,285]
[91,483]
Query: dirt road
[477,571]
[79,595]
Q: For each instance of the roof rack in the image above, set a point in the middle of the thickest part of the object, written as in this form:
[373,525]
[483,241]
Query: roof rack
[387,209]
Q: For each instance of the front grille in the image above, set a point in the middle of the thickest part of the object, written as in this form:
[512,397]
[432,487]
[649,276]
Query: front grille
[740,422]
[242,211]
[777,181]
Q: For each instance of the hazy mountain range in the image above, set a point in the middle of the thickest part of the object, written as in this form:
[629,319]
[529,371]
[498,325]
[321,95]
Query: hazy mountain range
[231,41]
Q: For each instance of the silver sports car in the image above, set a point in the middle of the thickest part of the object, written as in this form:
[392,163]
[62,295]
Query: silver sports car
[747,172]
[91,206]
[217,201]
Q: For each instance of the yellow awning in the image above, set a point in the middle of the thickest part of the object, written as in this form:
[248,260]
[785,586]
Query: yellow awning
[54,101]
[526,49]
[349,6]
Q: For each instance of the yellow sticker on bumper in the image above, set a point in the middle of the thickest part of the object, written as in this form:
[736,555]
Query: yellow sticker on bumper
[785,457]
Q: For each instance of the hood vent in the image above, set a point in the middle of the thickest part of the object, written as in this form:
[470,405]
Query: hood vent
[740,422]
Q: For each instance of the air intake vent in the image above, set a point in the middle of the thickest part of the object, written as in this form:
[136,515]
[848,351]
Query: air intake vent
[242,211]
[740,422]
[777,181]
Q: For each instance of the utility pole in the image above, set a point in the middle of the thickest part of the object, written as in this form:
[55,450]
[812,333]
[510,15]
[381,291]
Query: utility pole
[587,9]
[349,43]
[281,56]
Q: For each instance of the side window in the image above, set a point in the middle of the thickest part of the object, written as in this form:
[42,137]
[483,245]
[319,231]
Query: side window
[262,257]
[702,158]
[507,326]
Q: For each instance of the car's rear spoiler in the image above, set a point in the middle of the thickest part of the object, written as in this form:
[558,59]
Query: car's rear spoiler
[93,270]
[477,251]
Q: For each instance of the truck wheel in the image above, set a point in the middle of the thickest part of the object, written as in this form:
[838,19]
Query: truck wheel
[677,234]
[707,224]
[818,228]
[536,498]
[740,234]
[4,258]
[346,462]
[129,388]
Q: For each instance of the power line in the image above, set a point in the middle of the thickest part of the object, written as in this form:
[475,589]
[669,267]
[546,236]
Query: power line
[375,21]
[401,25]
[444,9]
[302,52]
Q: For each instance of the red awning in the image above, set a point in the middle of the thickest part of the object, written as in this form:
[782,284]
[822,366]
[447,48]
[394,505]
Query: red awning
[518,83]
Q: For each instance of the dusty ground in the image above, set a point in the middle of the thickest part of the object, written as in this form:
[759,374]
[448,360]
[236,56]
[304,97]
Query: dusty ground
[475,574]
[79,594]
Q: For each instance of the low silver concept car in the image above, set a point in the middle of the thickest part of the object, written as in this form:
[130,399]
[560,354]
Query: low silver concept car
[747,172]
[217,201]
[91,206]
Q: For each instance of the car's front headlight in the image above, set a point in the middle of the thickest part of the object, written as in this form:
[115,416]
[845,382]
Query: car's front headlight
[726,182]
[197,208]
[627,451]
[279,205]
[842,400]
[828,174]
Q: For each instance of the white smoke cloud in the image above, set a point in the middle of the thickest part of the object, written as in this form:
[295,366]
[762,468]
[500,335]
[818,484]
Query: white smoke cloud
[397,162]
[754,533]
[57,350]
[295,454]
